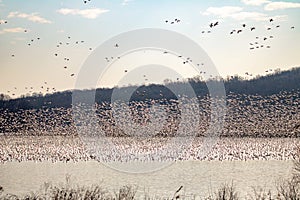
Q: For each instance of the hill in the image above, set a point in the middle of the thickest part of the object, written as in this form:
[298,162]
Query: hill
[278,81]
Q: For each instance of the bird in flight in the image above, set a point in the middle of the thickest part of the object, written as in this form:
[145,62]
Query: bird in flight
[177,20]
[172,22]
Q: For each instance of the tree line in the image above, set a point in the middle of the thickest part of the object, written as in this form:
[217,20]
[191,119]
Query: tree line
[273,83]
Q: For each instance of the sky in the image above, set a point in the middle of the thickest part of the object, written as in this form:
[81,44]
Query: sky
[44,44]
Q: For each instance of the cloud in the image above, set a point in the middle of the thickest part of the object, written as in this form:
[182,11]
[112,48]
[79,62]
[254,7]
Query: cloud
[280,18]
[125,2]
[280,5]
[31,17]
[255,2]
[13,30]
[224,11]
[234,12]
[249,15]
[86,13]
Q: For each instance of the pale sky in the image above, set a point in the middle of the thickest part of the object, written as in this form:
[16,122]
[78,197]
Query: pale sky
[25,63]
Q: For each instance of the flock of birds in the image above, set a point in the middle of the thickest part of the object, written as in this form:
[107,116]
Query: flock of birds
[259,42]
[72,149]
[172,22]
[270,130]
[59,44]
[67,43]
[255,127]
[30,90]
[256,44]
[46,88]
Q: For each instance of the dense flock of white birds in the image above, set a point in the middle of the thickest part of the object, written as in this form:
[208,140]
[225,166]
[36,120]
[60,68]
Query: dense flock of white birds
[128,149]
[255,128]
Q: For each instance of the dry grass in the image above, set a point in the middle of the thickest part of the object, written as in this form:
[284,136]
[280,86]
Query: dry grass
[225,192]
[260,193]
